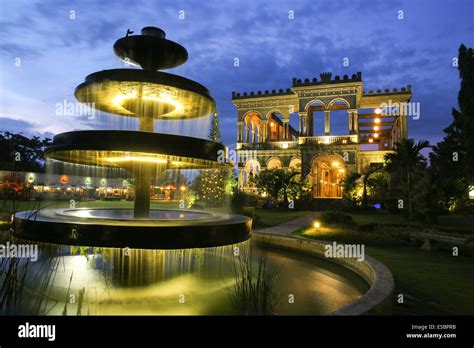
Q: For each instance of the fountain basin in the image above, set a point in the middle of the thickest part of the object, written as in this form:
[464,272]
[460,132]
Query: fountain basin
[165,229]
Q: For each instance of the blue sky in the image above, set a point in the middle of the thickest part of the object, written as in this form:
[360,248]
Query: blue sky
[57,52]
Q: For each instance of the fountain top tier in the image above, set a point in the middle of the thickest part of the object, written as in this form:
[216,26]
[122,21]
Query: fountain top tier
[150,50]
[147,94]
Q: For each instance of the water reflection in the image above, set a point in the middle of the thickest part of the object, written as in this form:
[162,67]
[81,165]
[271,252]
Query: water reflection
[105,281]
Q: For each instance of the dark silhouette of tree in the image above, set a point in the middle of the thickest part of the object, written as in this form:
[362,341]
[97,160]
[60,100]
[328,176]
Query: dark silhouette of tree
[277,183]
[20,153]
[452,159]
[403,164]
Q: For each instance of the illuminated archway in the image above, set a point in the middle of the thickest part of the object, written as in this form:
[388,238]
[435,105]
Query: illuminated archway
[327,173]
[295,164]
[252,127]
[252,168]
[274,163]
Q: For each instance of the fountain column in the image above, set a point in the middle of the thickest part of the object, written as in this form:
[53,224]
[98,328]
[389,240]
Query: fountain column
[141,207]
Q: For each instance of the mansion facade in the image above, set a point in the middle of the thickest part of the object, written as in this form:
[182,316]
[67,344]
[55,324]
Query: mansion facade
[376,120]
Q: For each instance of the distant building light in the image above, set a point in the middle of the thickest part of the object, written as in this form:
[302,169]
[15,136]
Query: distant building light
[378,206]
[371,140]
[378,111]
[376,135]
[377,120]
[376,128]
[31,178]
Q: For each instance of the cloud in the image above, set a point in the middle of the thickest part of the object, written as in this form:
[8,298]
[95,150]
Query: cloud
[57,52]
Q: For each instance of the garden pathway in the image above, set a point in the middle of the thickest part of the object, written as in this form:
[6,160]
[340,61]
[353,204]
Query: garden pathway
[288,227]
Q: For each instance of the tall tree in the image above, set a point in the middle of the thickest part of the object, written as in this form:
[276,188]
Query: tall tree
[215,131]
[403,165]
[453,158]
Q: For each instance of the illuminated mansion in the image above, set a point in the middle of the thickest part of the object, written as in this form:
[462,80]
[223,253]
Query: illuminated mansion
[264,125]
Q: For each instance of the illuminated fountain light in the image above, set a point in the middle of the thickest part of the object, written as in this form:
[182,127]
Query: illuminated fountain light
[148,95]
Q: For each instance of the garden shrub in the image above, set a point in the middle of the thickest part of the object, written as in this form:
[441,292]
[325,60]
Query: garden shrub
[335,217]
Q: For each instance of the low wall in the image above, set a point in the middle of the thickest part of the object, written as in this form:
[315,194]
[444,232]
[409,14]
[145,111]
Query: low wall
[377,300]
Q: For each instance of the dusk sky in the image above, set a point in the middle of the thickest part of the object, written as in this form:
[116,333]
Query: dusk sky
[55,52]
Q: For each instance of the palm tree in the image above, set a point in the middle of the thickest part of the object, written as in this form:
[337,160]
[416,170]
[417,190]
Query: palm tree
[367,173]
[405,161]
[349,185]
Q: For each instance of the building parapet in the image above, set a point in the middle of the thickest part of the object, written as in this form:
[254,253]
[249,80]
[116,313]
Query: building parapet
[406,89]
[329,139]
[259,94]
[325,78]
[276,145]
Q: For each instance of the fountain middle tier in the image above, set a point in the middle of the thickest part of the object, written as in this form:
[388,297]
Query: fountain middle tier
[132,149]
[144,155]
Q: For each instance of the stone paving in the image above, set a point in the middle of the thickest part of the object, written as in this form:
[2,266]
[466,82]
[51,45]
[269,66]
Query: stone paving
[288,227]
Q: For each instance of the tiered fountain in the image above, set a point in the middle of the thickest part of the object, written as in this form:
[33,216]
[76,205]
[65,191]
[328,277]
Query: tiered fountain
[147,94]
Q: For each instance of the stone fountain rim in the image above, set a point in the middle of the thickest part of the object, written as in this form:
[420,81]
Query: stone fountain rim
[46,226]
[377,300]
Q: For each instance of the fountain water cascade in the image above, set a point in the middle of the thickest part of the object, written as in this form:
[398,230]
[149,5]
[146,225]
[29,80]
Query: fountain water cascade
[147,94]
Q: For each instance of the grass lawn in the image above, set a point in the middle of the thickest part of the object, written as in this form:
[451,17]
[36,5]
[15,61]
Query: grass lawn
[272,217]
[432,282]
[435,282]
[447,223]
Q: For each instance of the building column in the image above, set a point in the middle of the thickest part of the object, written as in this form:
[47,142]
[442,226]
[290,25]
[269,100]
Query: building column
[286,129]
[302,123]
[241,178]
[353,121]
[239,131]
[327,122]
[247,132]
[403,123]
[264,131]
[310,124]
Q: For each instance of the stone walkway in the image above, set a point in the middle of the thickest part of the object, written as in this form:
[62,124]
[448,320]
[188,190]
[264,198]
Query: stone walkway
[288,227]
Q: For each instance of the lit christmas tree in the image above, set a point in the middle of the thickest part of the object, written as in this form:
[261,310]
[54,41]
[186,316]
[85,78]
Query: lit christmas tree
[211,185]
